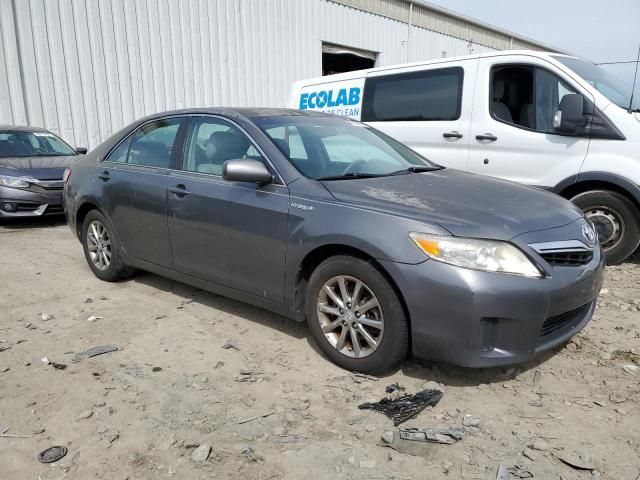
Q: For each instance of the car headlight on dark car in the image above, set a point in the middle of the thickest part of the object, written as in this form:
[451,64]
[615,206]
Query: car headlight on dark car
[14,182]
[487,255]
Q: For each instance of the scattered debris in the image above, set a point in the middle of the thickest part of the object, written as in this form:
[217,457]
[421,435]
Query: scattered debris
[93,318]
[156,369]
[201,453]
[88,300]
[94,351]
[445,435]
[3,348]
[394,387]
[540,445]
[630,368]
[57,366]
[616,397]
[360,377]
[387,437]
[537,376]
[228,345]
[83,415]
[250,419]
[405,407]
[4,369]
[530,454]
[575,460]
[251,454]
[519,472]
[471,421]
[45,317]
[503,473]
[52,454]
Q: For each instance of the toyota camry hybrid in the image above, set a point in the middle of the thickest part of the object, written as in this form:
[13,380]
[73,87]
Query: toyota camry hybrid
[326,219]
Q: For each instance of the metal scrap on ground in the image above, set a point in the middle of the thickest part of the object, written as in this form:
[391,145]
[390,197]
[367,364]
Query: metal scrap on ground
[405,407]
[92,352]
[446,435]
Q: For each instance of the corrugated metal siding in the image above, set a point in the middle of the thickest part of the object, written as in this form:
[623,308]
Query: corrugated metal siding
[86,68]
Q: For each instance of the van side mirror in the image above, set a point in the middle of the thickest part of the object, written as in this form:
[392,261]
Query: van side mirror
[245,170]
[570,115]
[82,150]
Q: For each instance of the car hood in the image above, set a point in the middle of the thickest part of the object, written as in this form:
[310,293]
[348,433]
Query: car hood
[40,168]
[465,204]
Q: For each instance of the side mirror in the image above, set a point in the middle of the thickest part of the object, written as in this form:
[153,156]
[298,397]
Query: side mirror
[245,170]
[82,150]
[570,114]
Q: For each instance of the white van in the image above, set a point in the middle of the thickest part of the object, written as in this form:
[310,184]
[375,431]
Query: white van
[542,119]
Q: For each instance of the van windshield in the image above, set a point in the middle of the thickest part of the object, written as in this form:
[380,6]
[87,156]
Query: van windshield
[334,148]
[603,81]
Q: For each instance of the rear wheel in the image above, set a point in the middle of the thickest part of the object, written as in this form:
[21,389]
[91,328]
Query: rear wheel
[616,219]
[356,316]
[102,249]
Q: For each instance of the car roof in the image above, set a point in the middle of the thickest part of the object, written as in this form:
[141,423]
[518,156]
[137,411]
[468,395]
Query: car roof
[247,112]
[21,128]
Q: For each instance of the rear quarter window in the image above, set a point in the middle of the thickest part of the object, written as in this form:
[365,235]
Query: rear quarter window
[426,95]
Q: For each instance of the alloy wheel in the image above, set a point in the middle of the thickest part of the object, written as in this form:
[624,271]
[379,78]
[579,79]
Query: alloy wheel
[99,245]
[350,316]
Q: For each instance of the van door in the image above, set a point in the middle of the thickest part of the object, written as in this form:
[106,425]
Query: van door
[512,132]
[428,108]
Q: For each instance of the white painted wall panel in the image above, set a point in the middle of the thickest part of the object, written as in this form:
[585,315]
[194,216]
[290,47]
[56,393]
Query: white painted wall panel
[86,68]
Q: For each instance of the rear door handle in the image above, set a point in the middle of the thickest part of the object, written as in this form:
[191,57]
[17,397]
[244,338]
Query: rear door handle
[453,134]
[179,190]
[104,176]
[487,136]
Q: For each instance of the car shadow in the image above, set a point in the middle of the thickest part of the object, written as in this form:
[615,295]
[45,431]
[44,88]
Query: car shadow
[224,304]
[27,223]
[419,369]
[453,376]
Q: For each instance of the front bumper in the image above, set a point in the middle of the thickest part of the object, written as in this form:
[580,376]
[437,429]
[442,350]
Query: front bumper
[30,202]
[481,319]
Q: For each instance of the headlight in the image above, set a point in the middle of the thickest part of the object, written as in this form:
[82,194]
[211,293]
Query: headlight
[488,255]
[13,182]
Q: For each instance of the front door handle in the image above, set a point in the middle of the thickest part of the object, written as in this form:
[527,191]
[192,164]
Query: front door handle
[104,176]
[179,190]
[453,134]
[487,136]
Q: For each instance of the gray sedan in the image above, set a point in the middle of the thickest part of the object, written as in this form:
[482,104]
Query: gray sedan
[328,220]
[32,162]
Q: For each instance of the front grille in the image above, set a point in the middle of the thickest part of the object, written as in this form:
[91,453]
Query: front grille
[567,259]
[561,321]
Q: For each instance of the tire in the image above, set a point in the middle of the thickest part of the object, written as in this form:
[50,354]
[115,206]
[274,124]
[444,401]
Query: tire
[617,220]
[116,269]
[392,340]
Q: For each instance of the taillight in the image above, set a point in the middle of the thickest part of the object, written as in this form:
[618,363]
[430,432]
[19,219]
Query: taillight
[66,176]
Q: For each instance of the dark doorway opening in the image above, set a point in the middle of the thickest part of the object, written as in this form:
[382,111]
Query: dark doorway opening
[339,59]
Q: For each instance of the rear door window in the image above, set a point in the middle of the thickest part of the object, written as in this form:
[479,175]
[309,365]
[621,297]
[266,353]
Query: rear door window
[151,145]
[426,95]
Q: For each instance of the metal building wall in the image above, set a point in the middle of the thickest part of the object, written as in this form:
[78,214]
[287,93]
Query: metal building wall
[86,68]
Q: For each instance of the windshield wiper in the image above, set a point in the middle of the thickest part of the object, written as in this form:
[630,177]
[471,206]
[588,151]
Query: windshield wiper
[417,169]
[350,175]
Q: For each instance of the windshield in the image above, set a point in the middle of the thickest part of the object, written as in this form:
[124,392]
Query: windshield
[326,147]
[15,143]
[606,83]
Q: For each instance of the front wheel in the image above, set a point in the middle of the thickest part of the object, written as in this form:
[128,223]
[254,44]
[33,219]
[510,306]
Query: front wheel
[355,315]
[617,222]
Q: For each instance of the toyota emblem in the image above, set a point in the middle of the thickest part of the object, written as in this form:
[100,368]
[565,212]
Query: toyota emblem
[589,234]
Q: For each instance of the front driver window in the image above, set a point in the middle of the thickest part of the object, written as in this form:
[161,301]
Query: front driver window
[213,141]
[527,96]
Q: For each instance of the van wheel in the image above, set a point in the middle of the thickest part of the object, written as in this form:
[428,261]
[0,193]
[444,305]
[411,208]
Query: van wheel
[356,316]
[617,222]
[102,249]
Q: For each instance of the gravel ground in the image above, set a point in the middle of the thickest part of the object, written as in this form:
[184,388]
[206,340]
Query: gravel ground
[206,387]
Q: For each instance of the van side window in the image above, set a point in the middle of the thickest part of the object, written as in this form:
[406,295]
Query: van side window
[427,95]
[527,96]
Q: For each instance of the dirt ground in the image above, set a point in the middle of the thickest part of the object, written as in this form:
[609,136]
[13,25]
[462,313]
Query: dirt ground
[195,369]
